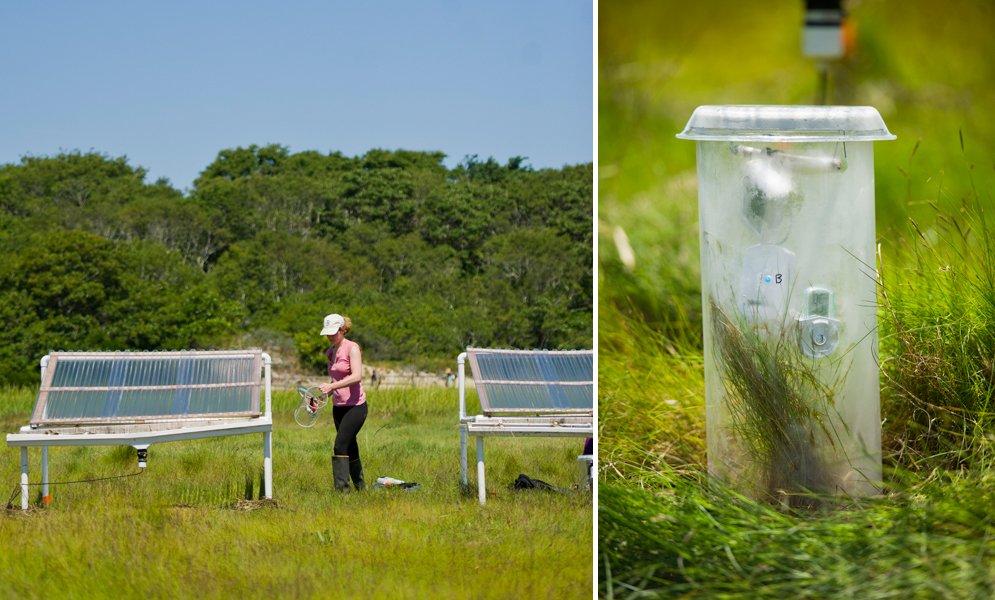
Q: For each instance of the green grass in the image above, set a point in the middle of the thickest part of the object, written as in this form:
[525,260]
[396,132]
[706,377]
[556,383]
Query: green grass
[778,408]
[184,528]
[938,314]
[651,400]
[684,540]
[667,530]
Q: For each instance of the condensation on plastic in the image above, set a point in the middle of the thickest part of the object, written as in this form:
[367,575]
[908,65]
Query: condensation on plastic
[95,387]
[533,381]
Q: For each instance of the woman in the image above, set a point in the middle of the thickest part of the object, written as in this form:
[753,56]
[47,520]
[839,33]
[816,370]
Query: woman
[345,366]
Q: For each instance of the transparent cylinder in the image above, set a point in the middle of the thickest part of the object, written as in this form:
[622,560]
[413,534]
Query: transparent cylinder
[789,297]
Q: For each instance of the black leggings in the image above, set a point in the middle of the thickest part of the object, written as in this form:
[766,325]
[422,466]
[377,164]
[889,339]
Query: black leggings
[348,421]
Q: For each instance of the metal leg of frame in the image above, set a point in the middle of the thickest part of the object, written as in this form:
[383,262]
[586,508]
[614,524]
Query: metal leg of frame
[481,487]
[585,464]
[462,454]
[45,498]
[24,478]
[268,463]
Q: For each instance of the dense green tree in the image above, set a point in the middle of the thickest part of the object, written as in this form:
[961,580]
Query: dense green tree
[245,162]
[453,215]
[403,258]
[316,165]
[73,290]
[489,171]
[536,276]
[77,179]
[175,223]
[262,273]
[406,160]
[72,188]
[385,195]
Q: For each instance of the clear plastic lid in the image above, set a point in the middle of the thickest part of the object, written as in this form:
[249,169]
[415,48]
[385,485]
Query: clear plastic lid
[786,124]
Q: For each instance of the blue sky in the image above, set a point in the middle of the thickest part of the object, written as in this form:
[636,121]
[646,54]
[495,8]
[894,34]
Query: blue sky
[170,84]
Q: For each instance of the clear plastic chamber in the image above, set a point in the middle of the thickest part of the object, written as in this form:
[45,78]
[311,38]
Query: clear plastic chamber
[788,270]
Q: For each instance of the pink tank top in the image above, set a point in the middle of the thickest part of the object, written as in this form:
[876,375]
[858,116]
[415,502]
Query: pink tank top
[339,368]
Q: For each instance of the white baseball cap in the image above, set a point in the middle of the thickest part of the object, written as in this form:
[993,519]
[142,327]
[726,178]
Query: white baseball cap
[332,324]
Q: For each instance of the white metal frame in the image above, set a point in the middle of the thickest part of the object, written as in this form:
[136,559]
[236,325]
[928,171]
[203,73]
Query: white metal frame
[29,437]
[572,425]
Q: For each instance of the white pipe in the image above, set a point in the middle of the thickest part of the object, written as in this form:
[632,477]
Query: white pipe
[44,475]
[268,463]
[481,487]
[268,435]
[462,454]
[267,365]
[24,478]
[461,368]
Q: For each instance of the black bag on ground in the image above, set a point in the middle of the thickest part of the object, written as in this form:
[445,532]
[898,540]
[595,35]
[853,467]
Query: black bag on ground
[524,482]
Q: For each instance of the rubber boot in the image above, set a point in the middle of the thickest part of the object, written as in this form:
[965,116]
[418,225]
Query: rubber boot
[356,470]
[340,471]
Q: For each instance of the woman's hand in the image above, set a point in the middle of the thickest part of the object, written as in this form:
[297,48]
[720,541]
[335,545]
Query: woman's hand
[326,388]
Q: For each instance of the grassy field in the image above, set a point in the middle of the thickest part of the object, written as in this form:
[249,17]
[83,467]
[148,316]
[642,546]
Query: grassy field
[668,531]
[932,539]
[665,529]
[186,527]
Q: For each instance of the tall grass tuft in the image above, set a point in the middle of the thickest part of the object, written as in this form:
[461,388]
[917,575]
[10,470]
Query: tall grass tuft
[938,337]
[651,398]
[927,540]
[778,408]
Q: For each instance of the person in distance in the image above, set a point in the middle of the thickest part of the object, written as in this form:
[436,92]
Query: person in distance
[345,367]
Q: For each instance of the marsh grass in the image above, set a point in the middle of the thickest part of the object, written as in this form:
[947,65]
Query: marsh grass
[192,525]
[779,409]
[664,533]
[667,530]
[938,337]
[684,540]
[651,399]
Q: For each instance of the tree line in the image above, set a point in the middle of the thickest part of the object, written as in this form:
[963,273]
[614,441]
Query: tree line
[426,260]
